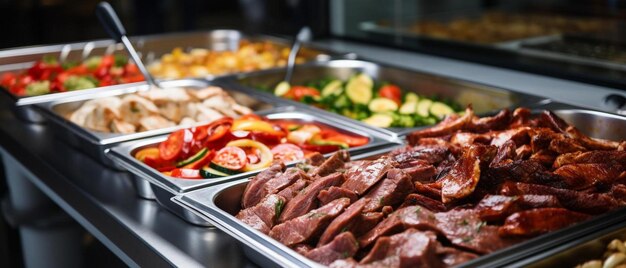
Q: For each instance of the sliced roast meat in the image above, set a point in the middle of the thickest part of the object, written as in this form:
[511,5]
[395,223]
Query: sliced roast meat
[254,189]
[315,159]
[539,221]
[342,246]
[429,190]
[356,164]
[306,199]
[421,173]
[464,229]
[566,145]
[344,222]
[424,201]
[521,117]
[591,203]
[497,207]
[401,219]
[527,171]
[332,164]
[264,214]
[591,143]
[364,177]
[553,121]
[452,257]
[308,226]
[504,155]
[496,122]
[523,152]
[445,127]
[429,154]
[544,157]
[410,248]
[463,178]
[335,192]
[468,138]
[390,191]
[283,180]
[591,157]
[540,138]
[517,135]
[583,176]
[292,190]
[302,249]
[366,222]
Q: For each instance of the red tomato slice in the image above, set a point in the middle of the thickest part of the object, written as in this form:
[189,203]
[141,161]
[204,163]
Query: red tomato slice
[159,164]
[231,157]
[202,161]
[323,149]
[391,92]
[219,128]
[299,92]
[172,147]
[186,173]
[266,137]
[287,152]
[8,79]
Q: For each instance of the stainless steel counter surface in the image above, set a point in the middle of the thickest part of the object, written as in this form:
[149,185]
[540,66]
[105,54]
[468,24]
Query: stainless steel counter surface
[571,92]
[103,201]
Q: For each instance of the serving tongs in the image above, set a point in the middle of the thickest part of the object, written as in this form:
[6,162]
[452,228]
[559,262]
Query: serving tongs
[304,35]
[113,26]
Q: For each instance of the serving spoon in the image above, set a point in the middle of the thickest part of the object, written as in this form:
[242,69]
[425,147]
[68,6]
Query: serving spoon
[304,35]
[113,26]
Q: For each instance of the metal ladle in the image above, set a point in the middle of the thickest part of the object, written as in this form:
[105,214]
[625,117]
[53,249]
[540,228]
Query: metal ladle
[113,26]
[304,35]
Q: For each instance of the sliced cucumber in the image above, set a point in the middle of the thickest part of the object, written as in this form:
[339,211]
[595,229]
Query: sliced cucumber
[341,145]
[282,88]
[379,120]
[210,173]
[359,89]
[440,109]
[381,105]
[411,97]
[193,158]
[408,107]
[222,169]
[423,107]
[333,88]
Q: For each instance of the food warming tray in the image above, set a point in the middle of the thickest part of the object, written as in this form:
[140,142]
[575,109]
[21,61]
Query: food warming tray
[150,49]
[95,143]
[484,99]
[219,204]
[165,187]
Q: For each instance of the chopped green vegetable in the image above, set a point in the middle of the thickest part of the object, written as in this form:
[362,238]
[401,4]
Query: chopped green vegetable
[423,107]
[379,120]
[380,105]
[440,110]
[411,97]
[49,59]
[404,121]
[282,88]
[359,89]
[334,88]
[38,88]
[120,60]
[78,82]
[68,64]
[409,107]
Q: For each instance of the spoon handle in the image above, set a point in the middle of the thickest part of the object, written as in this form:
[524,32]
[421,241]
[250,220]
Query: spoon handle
[304,35]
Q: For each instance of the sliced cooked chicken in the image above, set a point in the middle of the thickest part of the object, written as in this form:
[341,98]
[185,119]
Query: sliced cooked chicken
[187,122]
[118,126]
[221,104]
[134,108]
[154,122]
[205,93]
[172,110]
[97,114]
[206,114]
[164,96]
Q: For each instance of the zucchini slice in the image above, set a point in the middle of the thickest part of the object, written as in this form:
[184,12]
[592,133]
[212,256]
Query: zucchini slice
[381,105]
[379,120]
[193,158]
[411,97]
[409,107]
[222,169]
[210,173]
[341,145]
[359,89]
[282,88]
[333,88]
[440,109]
[423,107]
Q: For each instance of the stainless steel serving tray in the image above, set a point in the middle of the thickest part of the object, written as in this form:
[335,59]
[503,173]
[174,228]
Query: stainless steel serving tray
[150,47]
[484,99]
[165,187]
[219,204]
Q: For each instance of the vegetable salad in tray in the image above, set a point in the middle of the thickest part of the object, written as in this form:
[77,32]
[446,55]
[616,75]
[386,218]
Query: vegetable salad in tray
[376,103]
[227,147]
[48,75]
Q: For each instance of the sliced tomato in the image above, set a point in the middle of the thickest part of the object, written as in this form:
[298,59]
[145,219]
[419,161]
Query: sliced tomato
[351,140]
[231,157]
[107,61]
[202,161]
[299,92]
[267,138]
[131,69]
[77,70]
[323,149]
[218,129]
[391,92]
[8,79]
[287,152]
[158,163]
[101,72]
[172,147]
[186,173]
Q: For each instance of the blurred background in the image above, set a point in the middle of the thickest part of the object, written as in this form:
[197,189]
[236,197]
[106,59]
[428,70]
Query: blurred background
[32,22]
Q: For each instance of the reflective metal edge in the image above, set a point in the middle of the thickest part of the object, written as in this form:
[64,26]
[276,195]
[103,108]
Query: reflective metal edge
[121,153]
[81,47]
[267,251]
[371,68]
